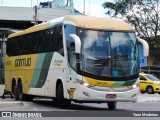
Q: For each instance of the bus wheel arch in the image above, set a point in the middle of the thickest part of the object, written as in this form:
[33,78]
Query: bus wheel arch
[60,100]
[59,81]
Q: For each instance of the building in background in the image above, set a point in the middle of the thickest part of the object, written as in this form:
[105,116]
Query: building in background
[57,3]
[63,4]
[13,19]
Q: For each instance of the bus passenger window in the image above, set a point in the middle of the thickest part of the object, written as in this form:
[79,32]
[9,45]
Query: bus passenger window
[70,29]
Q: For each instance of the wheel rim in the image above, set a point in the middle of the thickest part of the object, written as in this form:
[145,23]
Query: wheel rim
[150,90]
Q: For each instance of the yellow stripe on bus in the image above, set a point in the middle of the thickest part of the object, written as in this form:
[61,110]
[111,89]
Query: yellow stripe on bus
[101,83]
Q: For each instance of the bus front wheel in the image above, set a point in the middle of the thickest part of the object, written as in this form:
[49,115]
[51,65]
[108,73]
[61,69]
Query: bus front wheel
[61,101]
[112,105]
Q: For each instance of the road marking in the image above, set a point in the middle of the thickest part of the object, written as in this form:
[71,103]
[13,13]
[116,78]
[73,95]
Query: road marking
[11,104]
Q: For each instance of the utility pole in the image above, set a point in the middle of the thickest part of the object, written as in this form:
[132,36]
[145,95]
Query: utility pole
[2,53]
[89,8]
[31,3]
[69,3]
[1,58]
[3,33]
[84,7]
[35,16]
[2,2]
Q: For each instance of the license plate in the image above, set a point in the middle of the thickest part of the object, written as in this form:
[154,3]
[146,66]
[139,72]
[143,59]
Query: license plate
[113,96]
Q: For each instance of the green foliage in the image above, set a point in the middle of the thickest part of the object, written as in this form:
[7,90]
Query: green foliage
[144,15]
[117,7]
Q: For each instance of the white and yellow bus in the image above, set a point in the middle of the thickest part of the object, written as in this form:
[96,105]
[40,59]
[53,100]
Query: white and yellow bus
[75,58]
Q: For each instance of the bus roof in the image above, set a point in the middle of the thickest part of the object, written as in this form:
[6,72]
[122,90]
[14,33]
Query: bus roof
[80,21]
[98,23]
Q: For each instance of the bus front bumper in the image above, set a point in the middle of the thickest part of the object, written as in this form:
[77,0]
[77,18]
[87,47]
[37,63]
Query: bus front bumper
[85,94]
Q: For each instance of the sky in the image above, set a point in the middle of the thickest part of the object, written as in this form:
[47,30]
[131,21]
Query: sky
[94,8]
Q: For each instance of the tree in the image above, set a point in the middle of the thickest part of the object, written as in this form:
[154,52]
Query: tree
[144,15]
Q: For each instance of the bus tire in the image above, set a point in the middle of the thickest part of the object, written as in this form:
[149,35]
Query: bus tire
[22,96]
[61,101]
[112,105]
[20,91]
[29,98]
[54,101]
[15,91]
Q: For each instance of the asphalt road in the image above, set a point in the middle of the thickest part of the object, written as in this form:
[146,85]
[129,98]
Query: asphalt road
[150,103]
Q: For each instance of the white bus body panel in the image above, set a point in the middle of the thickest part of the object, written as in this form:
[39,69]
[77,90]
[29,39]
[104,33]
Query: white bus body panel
[56,71]
[94,95]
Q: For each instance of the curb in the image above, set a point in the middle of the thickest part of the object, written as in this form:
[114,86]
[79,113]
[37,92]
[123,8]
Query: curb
[148,99]
[10,104]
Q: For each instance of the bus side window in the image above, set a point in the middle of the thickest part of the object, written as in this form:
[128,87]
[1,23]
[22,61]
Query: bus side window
[69,29]
[56,40]
[9,47]
[16,46]
[59,39]
[34,43]
[49,42]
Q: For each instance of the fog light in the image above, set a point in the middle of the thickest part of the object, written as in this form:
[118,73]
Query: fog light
[86,94]
[86,84]
[133,95]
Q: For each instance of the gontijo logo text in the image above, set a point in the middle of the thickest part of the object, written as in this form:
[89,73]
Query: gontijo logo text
[23,62]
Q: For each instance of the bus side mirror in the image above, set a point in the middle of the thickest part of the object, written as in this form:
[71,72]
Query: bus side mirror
[145,46]
[77,43]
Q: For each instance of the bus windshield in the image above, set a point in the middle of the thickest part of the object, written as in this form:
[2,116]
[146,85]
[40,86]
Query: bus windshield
[106,53]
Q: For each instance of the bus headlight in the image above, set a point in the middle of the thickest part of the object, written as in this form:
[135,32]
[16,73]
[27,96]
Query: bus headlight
[84,83]
[135,85]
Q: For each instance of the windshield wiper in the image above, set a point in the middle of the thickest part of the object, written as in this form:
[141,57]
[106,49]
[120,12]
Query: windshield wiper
[102,61]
